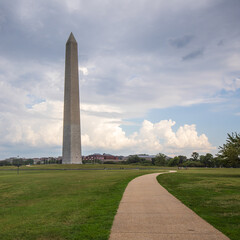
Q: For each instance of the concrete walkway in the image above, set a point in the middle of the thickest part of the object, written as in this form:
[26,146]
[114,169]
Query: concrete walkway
[147,211]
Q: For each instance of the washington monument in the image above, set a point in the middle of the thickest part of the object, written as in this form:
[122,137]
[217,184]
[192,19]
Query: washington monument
[71,120]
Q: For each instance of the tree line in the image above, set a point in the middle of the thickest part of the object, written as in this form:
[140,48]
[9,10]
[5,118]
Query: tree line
[228,156]
[30,161]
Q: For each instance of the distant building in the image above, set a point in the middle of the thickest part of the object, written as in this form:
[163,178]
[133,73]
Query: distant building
[100,157]
[95,156]
[109,157]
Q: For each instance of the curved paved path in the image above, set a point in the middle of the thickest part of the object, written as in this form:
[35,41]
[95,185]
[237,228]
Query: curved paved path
[148,211]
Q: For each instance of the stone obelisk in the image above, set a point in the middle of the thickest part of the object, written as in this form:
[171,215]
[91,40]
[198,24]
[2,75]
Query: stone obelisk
[71,119]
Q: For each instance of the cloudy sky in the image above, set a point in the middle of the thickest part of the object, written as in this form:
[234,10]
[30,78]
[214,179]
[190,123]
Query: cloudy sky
[155,75]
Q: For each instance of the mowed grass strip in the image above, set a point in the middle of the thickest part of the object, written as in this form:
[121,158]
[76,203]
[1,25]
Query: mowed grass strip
[61,204]
[214,194]
[81,166]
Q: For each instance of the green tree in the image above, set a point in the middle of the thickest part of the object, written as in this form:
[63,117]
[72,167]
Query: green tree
[160,159]
[5,163]
[173,162]
[190,163]
[217,161]
[195,156]
[230,151]
[133,159]
[182,159]
[207,160]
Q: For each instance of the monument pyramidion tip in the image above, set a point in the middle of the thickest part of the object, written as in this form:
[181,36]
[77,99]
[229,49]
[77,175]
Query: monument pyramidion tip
[71,38]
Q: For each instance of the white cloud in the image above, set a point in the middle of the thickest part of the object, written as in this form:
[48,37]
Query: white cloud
[36,127]
[105,134]
[233,61]
[231,84]
[84,70]
[161,137]
[73,5]
[100,108]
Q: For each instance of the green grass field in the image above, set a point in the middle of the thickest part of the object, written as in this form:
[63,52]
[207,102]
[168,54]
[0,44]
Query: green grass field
[81,204]
[61,204]
[214,194]
[82,166]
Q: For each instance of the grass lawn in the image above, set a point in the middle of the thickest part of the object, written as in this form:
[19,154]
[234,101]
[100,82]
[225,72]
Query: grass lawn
[214,194]
[61,204]
[82,166]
